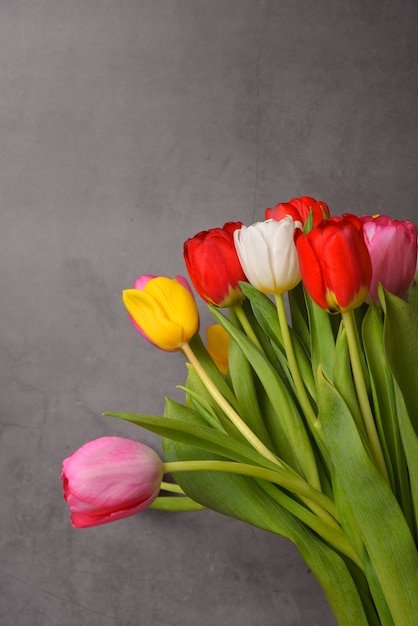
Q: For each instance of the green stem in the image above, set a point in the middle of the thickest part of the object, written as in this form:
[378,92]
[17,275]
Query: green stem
[363,398]
[316,500]
[227,408]
[172,487]
[175,503]
[294,368]
[302,396]
[334,536]
[248,329]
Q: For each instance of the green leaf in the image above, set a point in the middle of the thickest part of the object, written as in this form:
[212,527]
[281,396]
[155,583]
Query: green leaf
[380,522]
[242,378]
[413,297]
[201,405]
[410,444]
[385,407]
[277,429]
[183,424]
[266,315]
[242,498]
[293,426]
[322,338]
[200,399]
[401,344]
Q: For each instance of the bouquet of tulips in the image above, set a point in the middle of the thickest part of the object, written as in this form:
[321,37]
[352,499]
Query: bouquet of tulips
[300,416]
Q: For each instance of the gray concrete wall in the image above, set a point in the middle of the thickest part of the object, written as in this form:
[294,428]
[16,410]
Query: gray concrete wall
[126,126]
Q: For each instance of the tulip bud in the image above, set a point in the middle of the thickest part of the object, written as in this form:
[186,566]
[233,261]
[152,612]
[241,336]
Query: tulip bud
[392,246]
[299,209]
[163,310]
[217,347]
[268,255]
[335,263]
[213,265]
[110,478]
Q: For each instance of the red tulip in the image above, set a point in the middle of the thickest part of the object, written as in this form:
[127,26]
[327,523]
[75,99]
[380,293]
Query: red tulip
[213,265]
[299,209]
[335,264]
[392,246]
[110,478]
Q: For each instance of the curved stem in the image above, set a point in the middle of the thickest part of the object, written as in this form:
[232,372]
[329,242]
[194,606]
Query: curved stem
[323,506]
[302,396]
[227,408]
[363,398]
[172,487]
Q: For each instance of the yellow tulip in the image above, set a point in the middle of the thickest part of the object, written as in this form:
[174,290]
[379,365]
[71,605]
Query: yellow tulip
[217,339]
[163,310]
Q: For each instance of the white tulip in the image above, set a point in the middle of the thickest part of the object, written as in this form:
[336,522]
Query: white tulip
[268,255]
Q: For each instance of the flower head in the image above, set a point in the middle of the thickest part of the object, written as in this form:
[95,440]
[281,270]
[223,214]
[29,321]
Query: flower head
[335,263]
[163,310]
[298,209]
[268,254]
[110,478]
[213,265]
[392,245]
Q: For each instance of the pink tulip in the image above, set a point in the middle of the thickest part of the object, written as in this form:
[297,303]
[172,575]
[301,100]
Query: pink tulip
[416,268]
[110,478]
[392,246]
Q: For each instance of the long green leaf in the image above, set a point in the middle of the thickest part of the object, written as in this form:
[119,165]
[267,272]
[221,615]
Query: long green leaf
[242,378]
[244,499]
[184,425]
[401,344]
[380,521]
[299,313]
[198,397]
[410,444]
[294,427]
[385,406]
[322,338]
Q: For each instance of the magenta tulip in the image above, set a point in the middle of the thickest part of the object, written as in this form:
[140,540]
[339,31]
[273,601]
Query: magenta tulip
[392,246]
[110,478]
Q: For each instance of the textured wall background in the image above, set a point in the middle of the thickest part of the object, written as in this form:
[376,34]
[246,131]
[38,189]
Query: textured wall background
[127,126]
